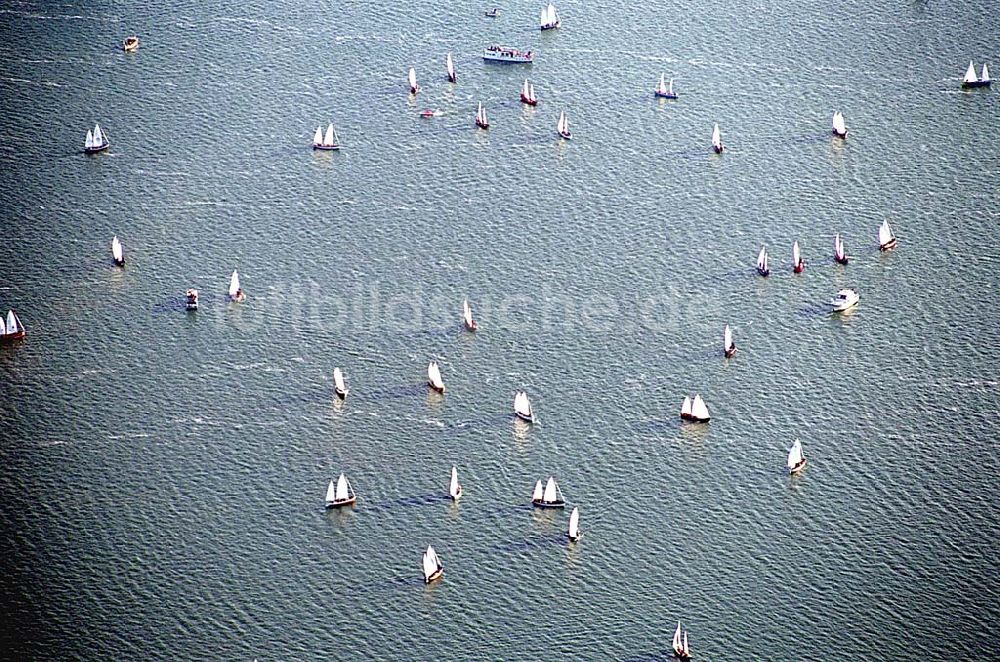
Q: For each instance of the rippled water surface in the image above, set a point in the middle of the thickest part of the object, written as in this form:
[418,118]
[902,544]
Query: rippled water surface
[163,472]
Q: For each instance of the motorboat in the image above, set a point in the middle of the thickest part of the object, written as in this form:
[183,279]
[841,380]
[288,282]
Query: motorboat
[845,299]
[498,53]
[130,44]
[191,299]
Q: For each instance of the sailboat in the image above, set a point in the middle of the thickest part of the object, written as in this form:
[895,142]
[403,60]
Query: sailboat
[728,346]
[798,264]
[328,141]
[116,251]
[574,525]
[550,497]
[762,268]
[11,329]
[236,292]
[664,89]
[470,323]
[340,495]
[717,140]
[339,386]
[522,407]
[481,120]
[191,299]
[549,20]
[839,126]
[434,377]
[839,252]
[528,94]
[450,67]
[97,140]
[414,88]
[695,409]
[680,644]
[563,126]
[971,80]
[432,565]
[796,461]
[886,239]
[455,489]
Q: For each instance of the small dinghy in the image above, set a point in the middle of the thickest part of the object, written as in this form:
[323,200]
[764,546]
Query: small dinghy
[11,328]
[680,644]
[528,94]
[574,525]
[328,141]
[340,495]
[481,120]
[434,377]
[130,44]
[191,299]
[339,386]
[717,145]
[96,141]
[549,20]
[414,88]
[839,252]
[522,407]
[117,252]
[846,298]
[449,66]
[428,113]
[563,126]
[432,565]
[695,409]
[971,80]
[798,264]
[839,126]
[236,292]
[550,497]
[796,461]
[455,488]
[762,268]
[492,13]
[665,90]
[470,323]
[728,346]
[886,239]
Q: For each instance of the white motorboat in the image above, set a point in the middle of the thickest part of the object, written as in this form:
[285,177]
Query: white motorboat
[845,299]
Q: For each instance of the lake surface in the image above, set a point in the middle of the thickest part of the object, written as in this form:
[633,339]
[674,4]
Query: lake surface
[163,472]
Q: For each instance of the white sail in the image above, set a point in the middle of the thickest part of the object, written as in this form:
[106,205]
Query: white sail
[686,406]
[434,375]
[884,234]
[413,78]
[90,139]
[970,73]
[662,87]
[522,405]
[467,313]
[551,491]
[453,487]
[574,524]
[531,92]
[796,253]
[716,137]
[670,87]
[536,495]
[98,136]
[986,73]
[563,125]
[699,409]
[762,259]
[431,562]
[552,14]
[450,65]
[838,247]
[838,123]
[318,136]
[795,455]
[12,322]
[3,327]
[328,139]
[727,338]
[331,492]
[116,248]
[481,115]
[343,488]
[677,638]
[687,650]
[338,379]
[544,17]
[234,284]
